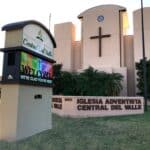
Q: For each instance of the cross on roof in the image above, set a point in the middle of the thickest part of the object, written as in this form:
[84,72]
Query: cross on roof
[99,37]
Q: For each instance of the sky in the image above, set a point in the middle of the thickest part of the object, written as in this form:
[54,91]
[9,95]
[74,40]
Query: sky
[50,12]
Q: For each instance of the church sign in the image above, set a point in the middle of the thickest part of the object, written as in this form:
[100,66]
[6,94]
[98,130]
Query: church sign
[30,61]
[36,39]
[26,80]
[92,106]
[101,104]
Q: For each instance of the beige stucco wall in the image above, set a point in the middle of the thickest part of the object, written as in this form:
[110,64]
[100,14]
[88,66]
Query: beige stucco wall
[138,50]
[137,34]
[34,115]
[130,64]
[77,55]
[80,55]
[21,114]
[110,25]
[13,38]
[9,111]
[65,37]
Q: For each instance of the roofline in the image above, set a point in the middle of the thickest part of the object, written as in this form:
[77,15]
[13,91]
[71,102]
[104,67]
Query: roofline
[21,24]
[139,9]
[80,16]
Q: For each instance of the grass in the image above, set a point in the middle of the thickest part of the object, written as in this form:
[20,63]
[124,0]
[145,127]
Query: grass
[110,133]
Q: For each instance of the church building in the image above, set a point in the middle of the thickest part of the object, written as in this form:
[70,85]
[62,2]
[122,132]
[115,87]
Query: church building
[104,44]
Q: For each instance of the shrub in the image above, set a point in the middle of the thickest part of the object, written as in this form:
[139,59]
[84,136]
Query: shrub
[140,77]
[90,82]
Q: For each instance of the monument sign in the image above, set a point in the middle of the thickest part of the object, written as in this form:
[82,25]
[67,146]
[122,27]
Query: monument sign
[94,106]
[26,86]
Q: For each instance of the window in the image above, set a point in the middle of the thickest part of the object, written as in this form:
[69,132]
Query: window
[11,59]
[38,96]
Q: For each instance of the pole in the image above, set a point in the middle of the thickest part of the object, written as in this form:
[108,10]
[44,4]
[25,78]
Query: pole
[144,58]
[49,21]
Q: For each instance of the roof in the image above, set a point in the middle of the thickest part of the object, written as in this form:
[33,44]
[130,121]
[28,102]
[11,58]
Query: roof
[19,25]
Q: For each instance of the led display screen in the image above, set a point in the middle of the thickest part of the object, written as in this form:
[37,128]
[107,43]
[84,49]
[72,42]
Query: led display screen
[35,69]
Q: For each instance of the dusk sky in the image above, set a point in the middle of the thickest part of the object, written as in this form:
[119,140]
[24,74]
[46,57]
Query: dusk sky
[60,10]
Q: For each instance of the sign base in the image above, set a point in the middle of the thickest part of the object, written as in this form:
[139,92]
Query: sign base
[24,111]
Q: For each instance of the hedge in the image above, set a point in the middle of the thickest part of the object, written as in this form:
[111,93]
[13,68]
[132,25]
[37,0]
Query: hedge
[90,82]
[140,79]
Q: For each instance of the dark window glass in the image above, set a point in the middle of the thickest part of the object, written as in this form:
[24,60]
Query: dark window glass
[11,59]
[39,96]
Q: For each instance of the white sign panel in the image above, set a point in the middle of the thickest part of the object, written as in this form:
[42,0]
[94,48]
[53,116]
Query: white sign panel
[37,40]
